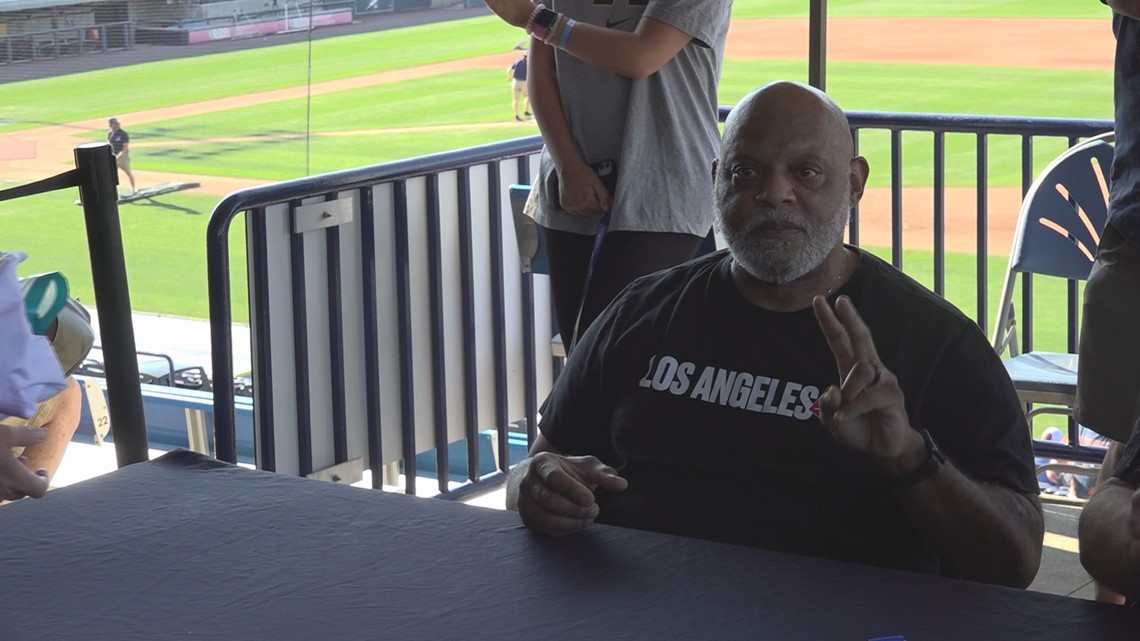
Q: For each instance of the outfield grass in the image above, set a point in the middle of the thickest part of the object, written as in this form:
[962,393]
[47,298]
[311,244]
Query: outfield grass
[164,242]
[273,146]
[176,82]
[925,9]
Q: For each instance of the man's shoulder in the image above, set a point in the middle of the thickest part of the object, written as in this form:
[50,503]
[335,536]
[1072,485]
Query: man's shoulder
[673,279]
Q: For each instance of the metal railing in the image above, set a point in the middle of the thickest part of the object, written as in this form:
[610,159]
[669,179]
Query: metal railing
[54,43]
[96,176]
[403,324]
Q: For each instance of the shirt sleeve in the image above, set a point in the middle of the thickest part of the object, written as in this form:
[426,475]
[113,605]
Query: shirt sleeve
[577,415]
[972,412]
[1128,470]
[698,18]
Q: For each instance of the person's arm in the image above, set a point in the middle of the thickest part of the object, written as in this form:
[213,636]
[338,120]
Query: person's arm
[637,54]
[554,494]
[1130,8]
[985,531]
[581,191]
[1109,532]
[60,423]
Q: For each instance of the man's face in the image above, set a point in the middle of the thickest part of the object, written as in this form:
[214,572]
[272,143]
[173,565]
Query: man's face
[114,126]
[783,195]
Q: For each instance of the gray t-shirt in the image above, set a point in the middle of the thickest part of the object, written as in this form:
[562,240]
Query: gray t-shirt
[660,132]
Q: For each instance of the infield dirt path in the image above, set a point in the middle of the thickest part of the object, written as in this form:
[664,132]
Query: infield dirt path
[1041,43]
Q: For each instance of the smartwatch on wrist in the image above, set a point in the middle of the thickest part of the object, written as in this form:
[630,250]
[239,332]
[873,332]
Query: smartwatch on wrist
[928,468]
[544,20]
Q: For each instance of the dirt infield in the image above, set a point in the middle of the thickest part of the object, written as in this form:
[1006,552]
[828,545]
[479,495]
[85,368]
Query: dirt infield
[1088,44]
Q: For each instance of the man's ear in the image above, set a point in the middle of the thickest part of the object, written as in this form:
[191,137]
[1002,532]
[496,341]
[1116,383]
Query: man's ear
[858,178]
[714,166]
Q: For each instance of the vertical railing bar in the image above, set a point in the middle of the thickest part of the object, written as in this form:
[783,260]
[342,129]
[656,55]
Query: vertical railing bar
[1027,175]
[939,222]
[853,222]
[97,177]
[499,320]
[438,347]
[263,377]
[896,199]
[983,232]
[470,362]
[404,321]
[301,348]
[336,343]
[530,356]
[371,325]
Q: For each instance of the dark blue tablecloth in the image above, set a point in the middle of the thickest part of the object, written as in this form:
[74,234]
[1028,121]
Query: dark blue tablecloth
[187,548]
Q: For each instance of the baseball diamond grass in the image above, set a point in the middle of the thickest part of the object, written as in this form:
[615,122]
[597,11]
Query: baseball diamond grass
[396,120]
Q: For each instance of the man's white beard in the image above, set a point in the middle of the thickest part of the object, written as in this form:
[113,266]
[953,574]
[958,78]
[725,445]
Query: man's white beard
[782,260]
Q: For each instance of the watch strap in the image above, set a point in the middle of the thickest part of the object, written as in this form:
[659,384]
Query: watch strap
[928,468]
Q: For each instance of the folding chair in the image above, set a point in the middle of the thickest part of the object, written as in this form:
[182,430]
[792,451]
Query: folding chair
[1057,233]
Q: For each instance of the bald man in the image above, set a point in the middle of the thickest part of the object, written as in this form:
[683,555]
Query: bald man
[793,392]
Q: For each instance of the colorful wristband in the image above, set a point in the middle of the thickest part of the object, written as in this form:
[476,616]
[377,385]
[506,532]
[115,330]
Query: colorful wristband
[533,29]
[565,37]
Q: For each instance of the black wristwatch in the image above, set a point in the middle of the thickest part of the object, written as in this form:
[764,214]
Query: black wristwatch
[544,21]
[929,467]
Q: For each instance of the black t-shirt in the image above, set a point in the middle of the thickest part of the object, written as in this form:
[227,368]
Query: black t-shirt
[118,139]
[704,401]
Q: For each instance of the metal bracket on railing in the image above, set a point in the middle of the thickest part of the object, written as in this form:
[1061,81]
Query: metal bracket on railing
[329,213]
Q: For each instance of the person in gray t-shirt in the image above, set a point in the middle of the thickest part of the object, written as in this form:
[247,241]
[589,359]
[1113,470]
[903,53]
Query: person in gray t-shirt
[628,90]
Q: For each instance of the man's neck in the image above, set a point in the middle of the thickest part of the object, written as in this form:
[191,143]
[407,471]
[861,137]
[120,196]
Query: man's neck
[824,280]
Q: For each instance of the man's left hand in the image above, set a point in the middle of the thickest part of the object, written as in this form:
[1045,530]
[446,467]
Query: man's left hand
[513,12]
[866,412]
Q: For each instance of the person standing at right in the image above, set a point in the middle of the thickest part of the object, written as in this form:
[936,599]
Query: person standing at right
[625,96]
[1108,376]
[121,146]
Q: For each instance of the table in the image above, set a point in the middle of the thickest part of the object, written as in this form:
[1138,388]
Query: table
[185,547]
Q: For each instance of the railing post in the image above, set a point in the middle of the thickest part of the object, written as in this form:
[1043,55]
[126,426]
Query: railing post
[817,45]
[98,178]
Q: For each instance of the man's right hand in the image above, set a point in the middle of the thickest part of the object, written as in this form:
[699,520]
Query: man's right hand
[16,479]
[556,493]
[580,190]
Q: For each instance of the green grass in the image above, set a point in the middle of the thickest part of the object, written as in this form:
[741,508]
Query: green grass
[925,9]
[175,82]
[478,96]
[164,242]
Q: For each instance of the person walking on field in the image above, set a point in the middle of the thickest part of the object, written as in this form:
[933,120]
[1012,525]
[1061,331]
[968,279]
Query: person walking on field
[121,146]
[517,75]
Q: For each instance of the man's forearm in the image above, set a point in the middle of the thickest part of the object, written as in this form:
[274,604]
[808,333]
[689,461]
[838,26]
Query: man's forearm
[985,532]
[1106,545]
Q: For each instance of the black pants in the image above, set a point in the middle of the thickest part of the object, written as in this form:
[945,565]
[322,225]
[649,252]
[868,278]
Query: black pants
[625,256]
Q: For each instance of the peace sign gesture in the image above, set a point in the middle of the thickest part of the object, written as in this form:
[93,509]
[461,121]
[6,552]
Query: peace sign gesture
[866,412]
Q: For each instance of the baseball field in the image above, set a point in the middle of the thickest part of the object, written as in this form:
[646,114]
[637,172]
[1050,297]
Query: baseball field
[280,111]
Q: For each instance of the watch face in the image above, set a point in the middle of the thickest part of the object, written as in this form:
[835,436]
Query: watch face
[546,18]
